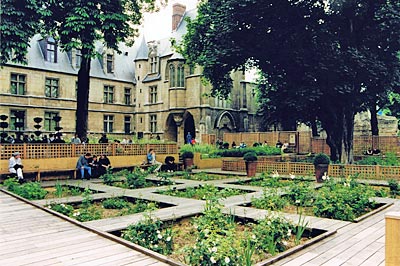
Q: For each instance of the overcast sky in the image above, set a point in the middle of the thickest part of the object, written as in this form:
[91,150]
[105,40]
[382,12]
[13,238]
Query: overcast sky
[158,25]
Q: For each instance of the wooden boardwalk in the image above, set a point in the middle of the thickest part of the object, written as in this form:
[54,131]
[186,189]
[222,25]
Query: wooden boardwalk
[31,236]
[353,244]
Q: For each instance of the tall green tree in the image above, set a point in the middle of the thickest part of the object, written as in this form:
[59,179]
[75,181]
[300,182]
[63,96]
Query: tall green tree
[322,59]
[79,25]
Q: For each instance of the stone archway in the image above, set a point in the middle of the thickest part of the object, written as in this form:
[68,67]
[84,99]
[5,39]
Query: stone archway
[171,129]
[188,126]
[224,123]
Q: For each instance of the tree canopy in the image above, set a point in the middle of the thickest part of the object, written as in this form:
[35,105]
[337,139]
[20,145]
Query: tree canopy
[324,60]
[75,24]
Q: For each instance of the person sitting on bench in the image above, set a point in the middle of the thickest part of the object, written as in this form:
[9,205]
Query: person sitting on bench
[151,159]
[170,165]
[83,164]
[15,166]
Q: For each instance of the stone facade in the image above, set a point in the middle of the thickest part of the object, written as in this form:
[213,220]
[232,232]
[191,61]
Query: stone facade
[147,91]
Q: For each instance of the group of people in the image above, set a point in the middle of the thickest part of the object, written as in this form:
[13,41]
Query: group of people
[170,165]
[94,166]
[24,138]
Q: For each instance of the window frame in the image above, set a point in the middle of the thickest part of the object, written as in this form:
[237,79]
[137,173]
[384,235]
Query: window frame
[48,88]
[108,94]
[17,81]
[108,123]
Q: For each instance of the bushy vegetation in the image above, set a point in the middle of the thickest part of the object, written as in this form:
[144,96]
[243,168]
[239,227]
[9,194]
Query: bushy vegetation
[30,190]
[202,192]
[390,159]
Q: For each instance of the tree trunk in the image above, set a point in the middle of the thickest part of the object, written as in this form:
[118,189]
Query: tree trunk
[340,132]
[82,101]
[374,120]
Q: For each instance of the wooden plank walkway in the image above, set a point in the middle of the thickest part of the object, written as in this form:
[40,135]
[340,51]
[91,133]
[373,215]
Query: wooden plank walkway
[31,236]
[360,244]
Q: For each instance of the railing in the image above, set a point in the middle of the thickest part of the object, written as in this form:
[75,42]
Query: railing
[307,169]
[42,151]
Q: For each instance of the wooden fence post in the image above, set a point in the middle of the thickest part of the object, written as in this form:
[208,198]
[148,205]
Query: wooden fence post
[392,236]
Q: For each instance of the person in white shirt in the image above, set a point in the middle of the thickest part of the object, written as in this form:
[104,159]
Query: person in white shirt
[15,166]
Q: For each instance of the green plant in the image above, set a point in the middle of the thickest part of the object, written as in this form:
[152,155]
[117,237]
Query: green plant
[149,233]
[270,200]
[62,208]
[115,203]
[250,156]
[30,190]
[394,187]
[109,178]
[187,155]
[301,194]
[343,201]
[300,228]
[321,158]
[137,178]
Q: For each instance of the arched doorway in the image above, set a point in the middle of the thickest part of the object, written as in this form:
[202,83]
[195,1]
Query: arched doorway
[188,126]
[171,129]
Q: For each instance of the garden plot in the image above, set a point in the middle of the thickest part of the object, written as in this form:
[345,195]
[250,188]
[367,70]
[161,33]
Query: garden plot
[203,192]
[217,238]
[89,209]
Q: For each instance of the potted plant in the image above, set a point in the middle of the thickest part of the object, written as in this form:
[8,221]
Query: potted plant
[250,159]
[187,157]
[321,164]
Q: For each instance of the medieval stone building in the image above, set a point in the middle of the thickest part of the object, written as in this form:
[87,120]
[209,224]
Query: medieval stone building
[147,91]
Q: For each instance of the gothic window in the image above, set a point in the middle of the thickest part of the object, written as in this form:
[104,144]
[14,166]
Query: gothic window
[172,76]
[180,76]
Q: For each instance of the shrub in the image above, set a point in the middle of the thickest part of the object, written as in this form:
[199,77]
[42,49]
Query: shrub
[187,155]
[321,158]
[149,233]
[394,187]
[270,200]
[137,178]
[250,156]
[62,208]
[115,203]
[30,190]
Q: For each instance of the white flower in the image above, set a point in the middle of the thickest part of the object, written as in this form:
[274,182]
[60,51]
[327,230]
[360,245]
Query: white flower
[158,232]
[227,259]
[269,223]
[284,243]
[49,207]
[159,236]
[156,246]
[289,233]
[212,259]
[168,239]
[76,214]
[62,205]
[253,236]
[275,174]
[292,176]
[297,201]
[324,177]
[214,249]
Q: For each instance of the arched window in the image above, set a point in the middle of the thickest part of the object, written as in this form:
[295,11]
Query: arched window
[172,79]
[181,76]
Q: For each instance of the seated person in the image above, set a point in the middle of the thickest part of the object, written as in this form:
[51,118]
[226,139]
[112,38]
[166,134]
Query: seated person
[376,151]
[94,164]
[83,164]
[278,144]
[151,159]
[369,151]
[285,147]
[104,164]
[15,166]
[170,165]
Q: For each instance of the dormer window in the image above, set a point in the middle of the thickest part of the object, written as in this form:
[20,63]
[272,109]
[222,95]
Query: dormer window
[49,49]
[153,64]
[110,63]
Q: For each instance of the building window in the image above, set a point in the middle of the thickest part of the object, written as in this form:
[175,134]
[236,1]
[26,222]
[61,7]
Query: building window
[153,123]
[110,63]
[153,64]
[18,84]
[51,51]
[153,94]
[244,95]
[51,88]
[108,123]
[49,123]
[128,96]
[17,120]
[127,124]
[172,76]
[180,77]
[108,94]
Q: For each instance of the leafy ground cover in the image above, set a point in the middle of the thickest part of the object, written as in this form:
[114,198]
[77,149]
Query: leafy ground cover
[29,190]
[217,238]
[203,192]
[343,200]
[89,210]
[61,191]
[198,176]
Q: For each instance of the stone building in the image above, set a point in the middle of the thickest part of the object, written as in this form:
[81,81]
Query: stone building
[147,91]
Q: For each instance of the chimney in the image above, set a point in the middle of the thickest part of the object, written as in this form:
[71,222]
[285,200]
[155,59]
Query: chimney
[178,10]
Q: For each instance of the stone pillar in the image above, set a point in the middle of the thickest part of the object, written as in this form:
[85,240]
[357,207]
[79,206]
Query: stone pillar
[392,239]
